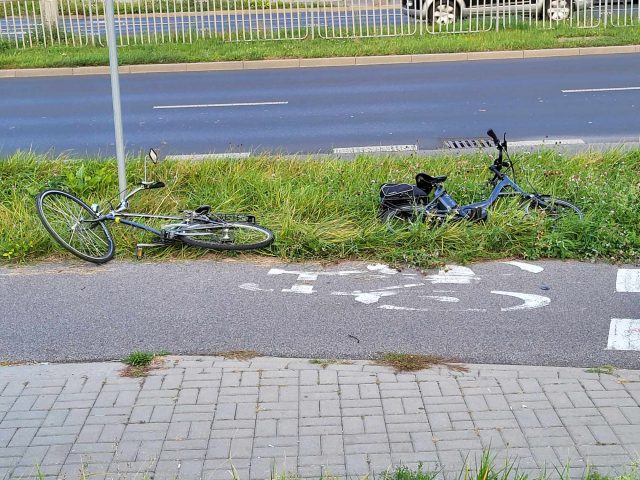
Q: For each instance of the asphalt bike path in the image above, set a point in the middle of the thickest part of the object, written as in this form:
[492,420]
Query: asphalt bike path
[528,313]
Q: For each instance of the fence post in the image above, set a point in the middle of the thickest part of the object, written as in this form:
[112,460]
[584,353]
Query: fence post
[49,12]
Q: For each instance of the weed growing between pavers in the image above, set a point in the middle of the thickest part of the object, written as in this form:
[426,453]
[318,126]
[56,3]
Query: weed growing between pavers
[326,210]
[139,363]
[238,354]
[406,362]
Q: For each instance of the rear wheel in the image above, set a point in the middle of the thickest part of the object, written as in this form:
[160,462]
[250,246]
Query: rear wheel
[226,236]
[552,206]
[68,220]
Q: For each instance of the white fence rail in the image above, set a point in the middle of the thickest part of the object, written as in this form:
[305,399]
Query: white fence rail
[25,23]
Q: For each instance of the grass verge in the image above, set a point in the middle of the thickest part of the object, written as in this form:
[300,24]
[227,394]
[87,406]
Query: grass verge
[213,50]
[326,210]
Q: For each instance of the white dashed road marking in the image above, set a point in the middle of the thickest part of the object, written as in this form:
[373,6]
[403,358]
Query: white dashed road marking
[628,280]
[529,267]
[624,334]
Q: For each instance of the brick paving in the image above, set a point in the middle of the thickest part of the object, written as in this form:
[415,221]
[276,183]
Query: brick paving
[195,417]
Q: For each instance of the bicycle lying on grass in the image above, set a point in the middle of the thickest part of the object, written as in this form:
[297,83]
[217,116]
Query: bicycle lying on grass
[83,230]
[408,202]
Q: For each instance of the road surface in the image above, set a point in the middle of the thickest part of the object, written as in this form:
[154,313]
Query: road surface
[590,99]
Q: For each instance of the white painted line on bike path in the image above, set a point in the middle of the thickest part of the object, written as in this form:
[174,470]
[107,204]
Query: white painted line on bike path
[525,266]
[214,105]
[624,334]
[377,148]
[628,280]
[530,301]
[611,89]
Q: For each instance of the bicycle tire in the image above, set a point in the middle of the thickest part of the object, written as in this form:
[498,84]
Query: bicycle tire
[555,207]
[91,244]
[230,242]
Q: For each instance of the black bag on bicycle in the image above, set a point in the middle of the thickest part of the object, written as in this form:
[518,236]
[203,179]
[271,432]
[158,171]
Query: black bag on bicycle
[402,194]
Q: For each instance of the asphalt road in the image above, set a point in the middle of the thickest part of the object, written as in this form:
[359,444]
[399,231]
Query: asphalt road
[318,109]
[538,313]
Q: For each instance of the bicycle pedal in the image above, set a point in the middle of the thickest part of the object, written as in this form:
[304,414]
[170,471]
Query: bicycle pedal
[140,248]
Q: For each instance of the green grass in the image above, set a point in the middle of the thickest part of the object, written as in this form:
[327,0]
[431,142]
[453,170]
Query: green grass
[515,38]
[139,359]
[326,210]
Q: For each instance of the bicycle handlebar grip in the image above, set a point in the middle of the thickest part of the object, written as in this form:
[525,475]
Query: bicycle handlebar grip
[156,185]
[493,136]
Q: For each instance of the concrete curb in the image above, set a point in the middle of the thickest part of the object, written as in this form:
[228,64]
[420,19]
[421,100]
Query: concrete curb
[320,62]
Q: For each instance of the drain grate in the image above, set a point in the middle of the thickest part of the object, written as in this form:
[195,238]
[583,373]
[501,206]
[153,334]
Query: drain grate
[462,143]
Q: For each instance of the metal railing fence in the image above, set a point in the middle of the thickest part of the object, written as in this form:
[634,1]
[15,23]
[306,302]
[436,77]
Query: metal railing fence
[26,23]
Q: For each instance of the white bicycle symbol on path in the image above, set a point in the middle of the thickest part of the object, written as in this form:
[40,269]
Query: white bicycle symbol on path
[383,297]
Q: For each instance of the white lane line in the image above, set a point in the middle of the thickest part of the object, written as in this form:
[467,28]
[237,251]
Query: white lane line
[547,141]
[441,298]
[377,148]
[624,334]
[214,105]
[525,266]
[628,280]
[611,89]
[210,156]
[530,301]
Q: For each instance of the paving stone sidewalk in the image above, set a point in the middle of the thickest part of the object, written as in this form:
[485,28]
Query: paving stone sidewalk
[194,417]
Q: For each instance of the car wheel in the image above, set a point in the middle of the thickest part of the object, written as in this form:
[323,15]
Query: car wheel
[443,12]
[557,10]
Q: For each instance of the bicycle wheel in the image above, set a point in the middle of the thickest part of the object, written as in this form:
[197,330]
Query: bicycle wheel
[66,218]
[226,236]
[552,206]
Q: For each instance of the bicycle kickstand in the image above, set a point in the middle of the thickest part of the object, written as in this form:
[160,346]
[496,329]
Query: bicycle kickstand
[141,246]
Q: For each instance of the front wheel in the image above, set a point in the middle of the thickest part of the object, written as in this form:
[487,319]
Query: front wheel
[70,222]
[226,236]
[552,206]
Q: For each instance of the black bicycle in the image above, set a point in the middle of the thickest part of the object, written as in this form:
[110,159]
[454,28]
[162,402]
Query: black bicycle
[83,229]
[443,206]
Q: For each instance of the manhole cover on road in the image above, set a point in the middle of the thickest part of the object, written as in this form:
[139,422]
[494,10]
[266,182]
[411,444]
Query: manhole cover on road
[464,143]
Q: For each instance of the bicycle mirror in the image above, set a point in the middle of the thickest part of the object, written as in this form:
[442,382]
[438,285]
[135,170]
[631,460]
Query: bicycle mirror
[153,155]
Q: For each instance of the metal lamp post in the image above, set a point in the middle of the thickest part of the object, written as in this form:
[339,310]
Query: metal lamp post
[115,96]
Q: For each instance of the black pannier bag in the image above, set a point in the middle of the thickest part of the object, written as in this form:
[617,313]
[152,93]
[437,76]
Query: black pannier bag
[395,196]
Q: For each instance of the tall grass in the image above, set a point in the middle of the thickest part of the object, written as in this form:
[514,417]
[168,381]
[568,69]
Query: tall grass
[326,210]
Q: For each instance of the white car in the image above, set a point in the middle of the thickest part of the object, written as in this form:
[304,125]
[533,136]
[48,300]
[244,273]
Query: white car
[447,12]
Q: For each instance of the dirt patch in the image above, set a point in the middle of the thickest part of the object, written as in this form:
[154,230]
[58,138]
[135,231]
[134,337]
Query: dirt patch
[405,362]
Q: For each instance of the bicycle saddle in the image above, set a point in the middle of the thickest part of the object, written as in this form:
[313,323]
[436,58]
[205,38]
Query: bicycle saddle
[424,178]
[202,210]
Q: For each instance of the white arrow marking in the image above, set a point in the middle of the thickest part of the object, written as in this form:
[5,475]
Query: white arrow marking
[253,287]
[525,266]
[624,334]
[530,301]
[628,280]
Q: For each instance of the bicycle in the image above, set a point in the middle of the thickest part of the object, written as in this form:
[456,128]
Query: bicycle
[82,229]
[443,206]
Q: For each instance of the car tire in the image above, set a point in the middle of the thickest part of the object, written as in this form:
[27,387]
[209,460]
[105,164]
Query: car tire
[443,12]
[557,10]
